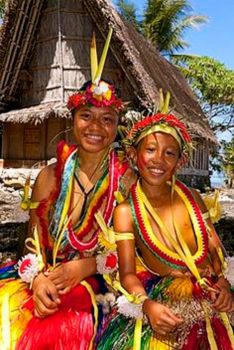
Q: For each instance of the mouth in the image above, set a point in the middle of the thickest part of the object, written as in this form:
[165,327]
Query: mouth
[94,138]
[156,171]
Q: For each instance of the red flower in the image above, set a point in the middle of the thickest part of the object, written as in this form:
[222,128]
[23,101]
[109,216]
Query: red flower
[25,265]
[111,261]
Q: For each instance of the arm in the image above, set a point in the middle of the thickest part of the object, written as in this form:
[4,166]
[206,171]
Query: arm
[161,318]
[45,294]
[223,299]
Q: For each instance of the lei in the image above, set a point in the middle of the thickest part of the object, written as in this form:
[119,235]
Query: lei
[148,237]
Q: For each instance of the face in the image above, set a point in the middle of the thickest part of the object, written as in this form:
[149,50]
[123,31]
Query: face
[95,128]
[157,158]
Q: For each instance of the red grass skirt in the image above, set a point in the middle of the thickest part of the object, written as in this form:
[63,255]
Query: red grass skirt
[70,328]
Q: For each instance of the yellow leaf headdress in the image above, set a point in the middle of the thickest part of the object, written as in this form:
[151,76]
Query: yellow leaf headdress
[97,93]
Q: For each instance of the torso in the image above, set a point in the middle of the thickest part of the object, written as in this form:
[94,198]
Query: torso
[183,220]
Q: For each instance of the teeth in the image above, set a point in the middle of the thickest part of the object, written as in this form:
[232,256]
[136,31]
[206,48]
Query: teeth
[94,137]
[157,171]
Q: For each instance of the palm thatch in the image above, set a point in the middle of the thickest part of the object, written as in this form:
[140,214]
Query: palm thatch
[144,68]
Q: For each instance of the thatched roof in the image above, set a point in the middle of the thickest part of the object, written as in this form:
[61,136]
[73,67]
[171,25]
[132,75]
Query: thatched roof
[145,68]
[35,114]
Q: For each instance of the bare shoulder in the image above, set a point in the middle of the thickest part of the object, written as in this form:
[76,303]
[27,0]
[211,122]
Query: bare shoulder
[123,209]
[45,183]
[123,221]
[198,198]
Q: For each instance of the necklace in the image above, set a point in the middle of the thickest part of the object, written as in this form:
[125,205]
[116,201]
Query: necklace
[179,258]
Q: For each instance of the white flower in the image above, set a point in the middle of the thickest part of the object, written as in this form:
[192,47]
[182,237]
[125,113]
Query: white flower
[129,309]
[133,116]
[229,270]
[101,89]
[28,267]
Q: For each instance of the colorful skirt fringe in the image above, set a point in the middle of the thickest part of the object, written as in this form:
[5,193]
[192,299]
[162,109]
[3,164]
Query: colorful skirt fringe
[203,327]
[72,327]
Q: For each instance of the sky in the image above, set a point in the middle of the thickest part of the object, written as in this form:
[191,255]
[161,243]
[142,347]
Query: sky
[214,39]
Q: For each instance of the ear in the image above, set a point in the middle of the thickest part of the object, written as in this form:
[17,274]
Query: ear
[132,155]
[179,164]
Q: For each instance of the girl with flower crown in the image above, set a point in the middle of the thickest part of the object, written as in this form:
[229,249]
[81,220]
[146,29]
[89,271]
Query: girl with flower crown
[171,265]
[60,311]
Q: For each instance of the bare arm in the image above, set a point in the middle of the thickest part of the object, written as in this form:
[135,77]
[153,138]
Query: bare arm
[45,294]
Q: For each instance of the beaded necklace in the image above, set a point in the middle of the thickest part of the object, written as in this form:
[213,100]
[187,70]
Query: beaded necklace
[149,239]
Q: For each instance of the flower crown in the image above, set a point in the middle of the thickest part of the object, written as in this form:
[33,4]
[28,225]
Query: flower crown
[98,95]
[160,122]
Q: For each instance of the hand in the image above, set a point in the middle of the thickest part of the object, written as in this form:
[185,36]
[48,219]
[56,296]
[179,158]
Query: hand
[222,300]
[66,276]
[45,296]
[161,318]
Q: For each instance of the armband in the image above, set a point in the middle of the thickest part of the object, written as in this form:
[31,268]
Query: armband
[29,267]
[125,236]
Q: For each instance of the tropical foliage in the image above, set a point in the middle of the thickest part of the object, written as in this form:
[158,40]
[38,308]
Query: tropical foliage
[164,22]
[2,7]
[228,161]
[128,11]
[213,83]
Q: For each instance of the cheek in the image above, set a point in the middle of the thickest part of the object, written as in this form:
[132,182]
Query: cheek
[142,161]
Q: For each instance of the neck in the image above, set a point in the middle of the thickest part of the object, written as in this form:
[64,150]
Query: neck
[157,195]
[90,162]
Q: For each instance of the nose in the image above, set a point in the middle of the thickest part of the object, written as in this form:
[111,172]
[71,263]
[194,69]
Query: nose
[95,123]
[157,156]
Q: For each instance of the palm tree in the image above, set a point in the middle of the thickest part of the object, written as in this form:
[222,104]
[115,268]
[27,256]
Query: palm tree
[127,10]
[165,22]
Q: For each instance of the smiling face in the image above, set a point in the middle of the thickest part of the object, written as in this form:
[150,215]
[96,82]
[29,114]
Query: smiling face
[95,128]
[158,156]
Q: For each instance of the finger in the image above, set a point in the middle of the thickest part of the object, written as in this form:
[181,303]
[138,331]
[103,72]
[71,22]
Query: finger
[172,319]
[221,299]
[53,294]
[65,290]
[224,304]
[213,296]
[43,311]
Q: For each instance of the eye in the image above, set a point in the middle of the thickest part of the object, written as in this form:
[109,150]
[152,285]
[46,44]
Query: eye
[171,153]
[150,149]
[108,119]
[85,116]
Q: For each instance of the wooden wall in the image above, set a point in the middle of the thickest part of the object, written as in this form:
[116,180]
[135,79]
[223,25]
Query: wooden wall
[37,144]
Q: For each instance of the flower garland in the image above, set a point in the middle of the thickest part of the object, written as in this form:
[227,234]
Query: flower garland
[153,243]
[105,189]
[98,95]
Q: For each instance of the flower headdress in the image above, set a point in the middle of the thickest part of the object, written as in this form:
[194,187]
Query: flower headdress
[160,122]
[97,93]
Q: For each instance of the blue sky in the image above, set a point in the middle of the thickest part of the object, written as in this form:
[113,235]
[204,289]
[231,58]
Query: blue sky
[214,39]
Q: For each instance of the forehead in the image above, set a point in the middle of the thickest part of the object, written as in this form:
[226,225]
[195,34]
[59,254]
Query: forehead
[97,110]
[160,138]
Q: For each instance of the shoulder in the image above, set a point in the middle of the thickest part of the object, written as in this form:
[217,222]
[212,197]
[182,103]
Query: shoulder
[122,218]
[45,182]
[198,198]
[123,208]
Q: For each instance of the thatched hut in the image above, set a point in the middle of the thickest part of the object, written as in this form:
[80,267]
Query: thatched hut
[44,57]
